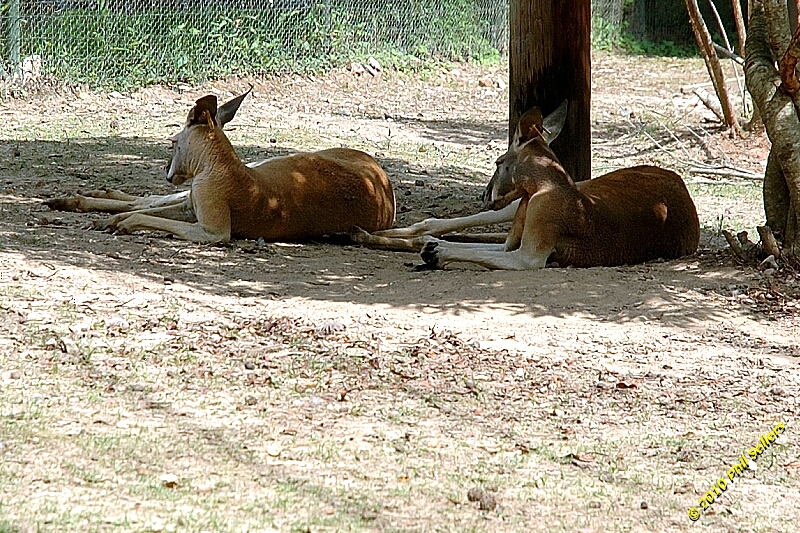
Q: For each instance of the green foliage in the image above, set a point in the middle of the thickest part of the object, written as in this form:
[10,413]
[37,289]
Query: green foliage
[7,527]
[120,48]
[609,36]
[641,47]
[605,35]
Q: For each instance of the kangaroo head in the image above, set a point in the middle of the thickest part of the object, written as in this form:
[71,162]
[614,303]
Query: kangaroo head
[205,120]
[531,128]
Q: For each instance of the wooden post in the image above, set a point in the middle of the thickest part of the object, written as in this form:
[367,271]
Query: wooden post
[13,32]
[549,62]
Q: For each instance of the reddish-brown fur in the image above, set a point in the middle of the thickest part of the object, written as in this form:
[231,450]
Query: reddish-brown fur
[628,216]
[293,198]
[328,191]
[624,217]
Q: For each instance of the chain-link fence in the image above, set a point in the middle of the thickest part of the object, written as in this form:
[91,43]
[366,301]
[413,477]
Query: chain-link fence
[666,20]
[133,42]
[138,42]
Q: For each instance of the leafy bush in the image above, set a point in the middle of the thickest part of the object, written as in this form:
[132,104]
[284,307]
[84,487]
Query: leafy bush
[605,35]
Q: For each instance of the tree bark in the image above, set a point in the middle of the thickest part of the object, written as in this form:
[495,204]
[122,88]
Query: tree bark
[741,32]
[788,66]
[768,243]
[794,11]
[550,61]
[777,25]
[706,45]
[776,196]
[768,31]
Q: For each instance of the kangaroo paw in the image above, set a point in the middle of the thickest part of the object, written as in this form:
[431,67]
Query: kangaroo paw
[430,254]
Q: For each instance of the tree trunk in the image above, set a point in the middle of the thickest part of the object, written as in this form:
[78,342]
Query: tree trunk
[549,60]
[768,39]
[776,196]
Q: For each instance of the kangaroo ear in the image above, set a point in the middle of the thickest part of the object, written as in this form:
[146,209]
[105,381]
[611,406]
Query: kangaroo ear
[528,127]
[554,122]
[228,110]
[204,111]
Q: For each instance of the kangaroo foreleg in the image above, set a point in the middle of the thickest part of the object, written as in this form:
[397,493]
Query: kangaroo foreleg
[113,201]
[440,226]
[180,212]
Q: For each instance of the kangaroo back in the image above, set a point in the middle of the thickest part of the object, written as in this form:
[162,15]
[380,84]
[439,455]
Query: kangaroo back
[629,216]
[308,195]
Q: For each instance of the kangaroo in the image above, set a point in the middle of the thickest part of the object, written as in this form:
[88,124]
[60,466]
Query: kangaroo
[292,198]
[627,216]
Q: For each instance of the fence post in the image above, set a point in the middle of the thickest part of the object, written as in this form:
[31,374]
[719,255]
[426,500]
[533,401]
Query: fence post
[13,32]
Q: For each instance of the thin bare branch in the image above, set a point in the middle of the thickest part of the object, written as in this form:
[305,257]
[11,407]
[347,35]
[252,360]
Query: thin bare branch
[741,32]
[727,54]
[705,44]
[721,26]
[710,102]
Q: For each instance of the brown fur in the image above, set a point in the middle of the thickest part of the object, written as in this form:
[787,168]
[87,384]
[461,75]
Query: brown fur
[627,216]
[293,198]
[329,191]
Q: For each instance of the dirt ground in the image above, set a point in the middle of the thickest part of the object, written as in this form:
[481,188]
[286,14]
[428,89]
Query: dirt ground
[150,384]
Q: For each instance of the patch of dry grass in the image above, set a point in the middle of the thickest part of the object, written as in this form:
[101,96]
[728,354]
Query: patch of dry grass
[268,422]
[148,384]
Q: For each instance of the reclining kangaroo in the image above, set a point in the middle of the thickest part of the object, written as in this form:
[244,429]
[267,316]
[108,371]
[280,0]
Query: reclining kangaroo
[291,198]
[627,216]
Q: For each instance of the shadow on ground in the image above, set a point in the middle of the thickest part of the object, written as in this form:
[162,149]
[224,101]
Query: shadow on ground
[657,291]
[466,132]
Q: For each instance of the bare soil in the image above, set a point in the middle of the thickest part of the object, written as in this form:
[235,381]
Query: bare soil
[150,384]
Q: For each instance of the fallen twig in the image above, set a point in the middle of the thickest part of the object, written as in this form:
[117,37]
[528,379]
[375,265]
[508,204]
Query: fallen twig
[674,138]
[725,171]
[653,139]
[696,167]
[710,102]
[706,181]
